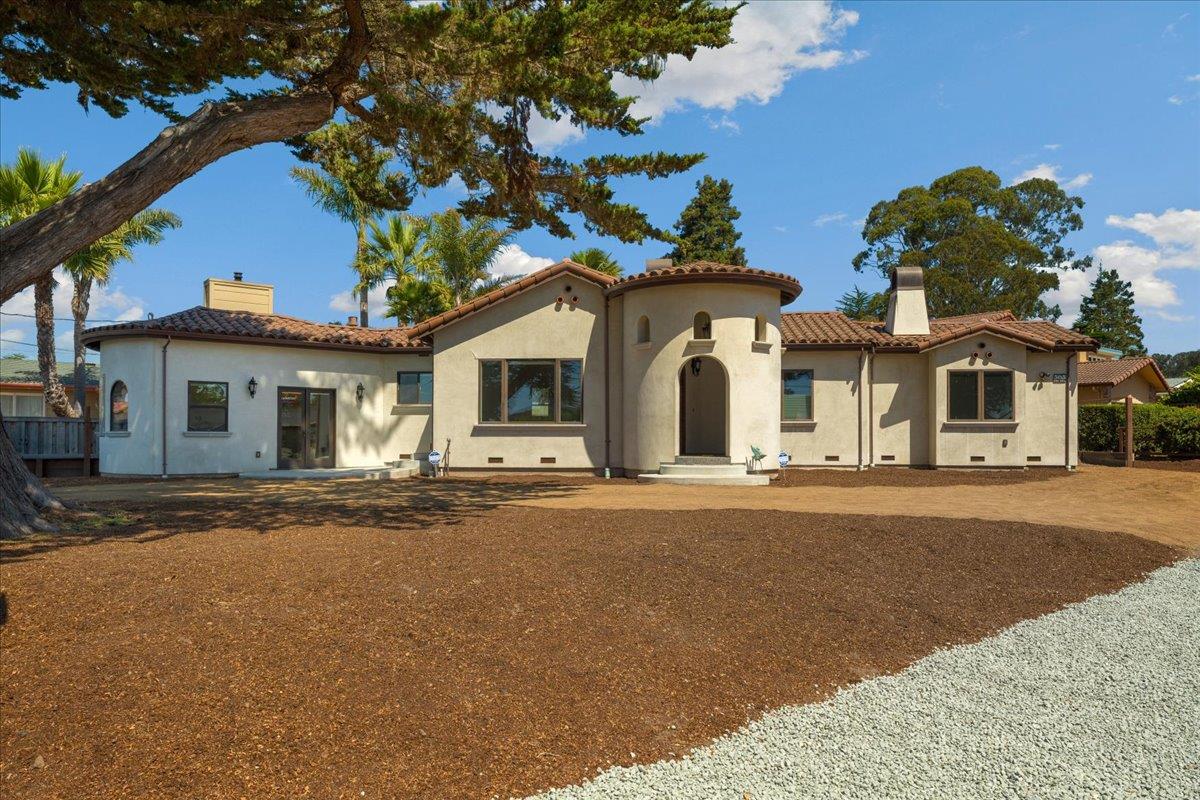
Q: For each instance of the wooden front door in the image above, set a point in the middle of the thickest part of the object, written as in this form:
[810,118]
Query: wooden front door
[307,432]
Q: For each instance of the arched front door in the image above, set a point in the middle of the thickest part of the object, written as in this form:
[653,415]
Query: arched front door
[703,407]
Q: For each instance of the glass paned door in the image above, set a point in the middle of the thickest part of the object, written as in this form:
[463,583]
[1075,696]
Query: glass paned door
[307,428]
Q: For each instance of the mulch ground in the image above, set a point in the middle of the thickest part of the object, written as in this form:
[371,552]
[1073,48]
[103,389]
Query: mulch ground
[323,650]
[903,476]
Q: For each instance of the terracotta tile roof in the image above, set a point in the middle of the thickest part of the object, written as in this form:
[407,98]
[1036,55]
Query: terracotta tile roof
[516,287]
[1110,373]
[788,286]
[817,329]
[210,323]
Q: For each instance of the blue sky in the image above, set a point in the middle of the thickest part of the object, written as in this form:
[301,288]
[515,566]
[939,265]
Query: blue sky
[816,113]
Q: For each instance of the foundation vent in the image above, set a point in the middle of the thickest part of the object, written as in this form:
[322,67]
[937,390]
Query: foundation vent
[887,458]
[1033,458]
[978,458]
[495,459]
[833,458]
[549,460]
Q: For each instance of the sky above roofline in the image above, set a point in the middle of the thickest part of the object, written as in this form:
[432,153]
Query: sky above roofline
[817,112]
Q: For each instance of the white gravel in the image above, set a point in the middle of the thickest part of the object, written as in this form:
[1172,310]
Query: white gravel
[1100,699]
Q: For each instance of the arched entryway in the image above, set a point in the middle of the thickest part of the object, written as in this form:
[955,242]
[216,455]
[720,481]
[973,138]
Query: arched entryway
[703,408]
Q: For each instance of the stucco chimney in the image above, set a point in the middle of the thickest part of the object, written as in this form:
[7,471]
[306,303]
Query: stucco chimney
[238,295]
[907,313]
[352,322]
[653,264]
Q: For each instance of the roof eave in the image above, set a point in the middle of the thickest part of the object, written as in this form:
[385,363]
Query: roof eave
[93,340]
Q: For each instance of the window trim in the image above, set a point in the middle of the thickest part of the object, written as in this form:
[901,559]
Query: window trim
[190,406]
[111,416]
[428,372]
[812,403]
[558,420]
[979,395]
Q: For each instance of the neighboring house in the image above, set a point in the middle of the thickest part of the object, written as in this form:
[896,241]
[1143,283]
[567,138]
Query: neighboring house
[21,387]
[1111,381]
[568,368]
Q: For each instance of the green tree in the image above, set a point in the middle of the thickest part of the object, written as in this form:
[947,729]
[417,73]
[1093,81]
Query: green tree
[1177,365]
[984,246]
[705,230]
[415,299]
[450,87]
[1106,314]
[597,259]
[398,251]
[355,185]
[463,252]
[94,265]
[27,186]
[861,304]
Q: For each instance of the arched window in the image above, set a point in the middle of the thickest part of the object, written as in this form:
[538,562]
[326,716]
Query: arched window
[702,325]
[643,330]
[118,407]
[760,328]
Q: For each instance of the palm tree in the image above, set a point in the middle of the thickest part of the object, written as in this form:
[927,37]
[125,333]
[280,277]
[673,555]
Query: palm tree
[597,259]
[398,250]
[463,253]
[27,186]
[414,299]
[94,264]
[354,185]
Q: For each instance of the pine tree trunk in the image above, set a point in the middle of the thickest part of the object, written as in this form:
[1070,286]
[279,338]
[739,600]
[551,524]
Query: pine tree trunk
[81,302]
[23,498]
[43,312]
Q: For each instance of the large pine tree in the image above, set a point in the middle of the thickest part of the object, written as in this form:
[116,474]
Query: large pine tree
[1107,314]
[705,229]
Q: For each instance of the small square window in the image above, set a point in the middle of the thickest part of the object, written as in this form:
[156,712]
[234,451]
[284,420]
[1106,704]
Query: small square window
[414,388]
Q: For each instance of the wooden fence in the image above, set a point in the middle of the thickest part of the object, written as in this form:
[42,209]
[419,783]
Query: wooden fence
[54,445]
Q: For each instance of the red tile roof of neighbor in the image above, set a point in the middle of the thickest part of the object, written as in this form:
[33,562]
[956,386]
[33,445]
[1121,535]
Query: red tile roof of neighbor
[1112,372]
[808,330]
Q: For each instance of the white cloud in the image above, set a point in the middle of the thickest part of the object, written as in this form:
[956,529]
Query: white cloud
[1175,100]
[12,334]
[347,303]
[772,42]
[724,123]
[1175,235]
[780,228]
[1052,172]
[107,303]
[512,260]
[1172,27]
[1193,78]
[1169,317]
[1051,146]
[550,134]
[826,219]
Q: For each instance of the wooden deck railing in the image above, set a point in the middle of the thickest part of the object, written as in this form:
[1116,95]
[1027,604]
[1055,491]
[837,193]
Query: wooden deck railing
[40,439]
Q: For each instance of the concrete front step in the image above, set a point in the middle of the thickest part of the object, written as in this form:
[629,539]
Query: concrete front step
[703,460]
[675,468]
[387,473]
[705,480]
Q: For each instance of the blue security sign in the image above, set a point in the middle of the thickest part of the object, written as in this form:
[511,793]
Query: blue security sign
[434,458]
[784,458]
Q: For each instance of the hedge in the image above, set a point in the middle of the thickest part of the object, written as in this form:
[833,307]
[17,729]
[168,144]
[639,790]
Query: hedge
[1157,429]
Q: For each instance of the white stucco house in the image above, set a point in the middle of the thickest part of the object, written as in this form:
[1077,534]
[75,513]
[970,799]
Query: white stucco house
[674,371]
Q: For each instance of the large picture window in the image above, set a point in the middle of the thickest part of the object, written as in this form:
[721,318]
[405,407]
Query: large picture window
[978,395]
[414,388]
[531,390]
[208,406]
[118,408]
[797,395]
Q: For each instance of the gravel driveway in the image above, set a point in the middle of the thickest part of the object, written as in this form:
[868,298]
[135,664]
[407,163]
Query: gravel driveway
[1101,699]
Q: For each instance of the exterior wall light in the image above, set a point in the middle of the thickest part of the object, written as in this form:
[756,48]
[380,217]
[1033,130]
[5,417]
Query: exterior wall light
[252,387]
[359,391]
[696,364]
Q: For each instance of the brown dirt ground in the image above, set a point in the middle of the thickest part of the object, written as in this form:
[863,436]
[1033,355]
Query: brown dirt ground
[340,640]
[901,476]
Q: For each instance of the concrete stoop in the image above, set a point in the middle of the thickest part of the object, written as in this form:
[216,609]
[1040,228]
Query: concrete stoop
[703,471]
[396,470]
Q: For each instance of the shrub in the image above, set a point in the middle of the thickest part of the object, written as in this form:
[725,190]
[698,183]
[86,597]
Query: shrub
[1157,429]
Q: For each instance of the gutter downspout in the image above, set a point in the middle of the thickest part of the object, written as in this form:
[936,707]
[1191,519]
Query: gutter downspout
[871,408]
[862,354]
[164,406]
[1067,413]
[607,394]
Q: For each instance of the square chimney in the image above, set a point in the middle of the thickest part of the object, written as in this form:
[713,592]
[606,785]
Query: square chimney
[907,315]
[239,295]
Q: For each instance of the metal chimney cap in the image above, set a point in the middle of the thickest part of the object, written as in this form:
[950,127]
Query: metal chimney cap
[237,276]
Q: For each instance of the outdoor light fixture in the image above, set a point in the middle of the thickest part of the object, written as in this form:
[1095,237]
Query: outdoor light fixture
[696,364]
[359,391]
[252,387]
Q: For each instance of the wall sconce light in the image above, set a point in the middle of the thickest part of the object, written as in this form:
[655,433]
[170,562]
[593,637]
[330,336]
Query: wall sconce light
[252,387]
[696,364]
[359,391]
